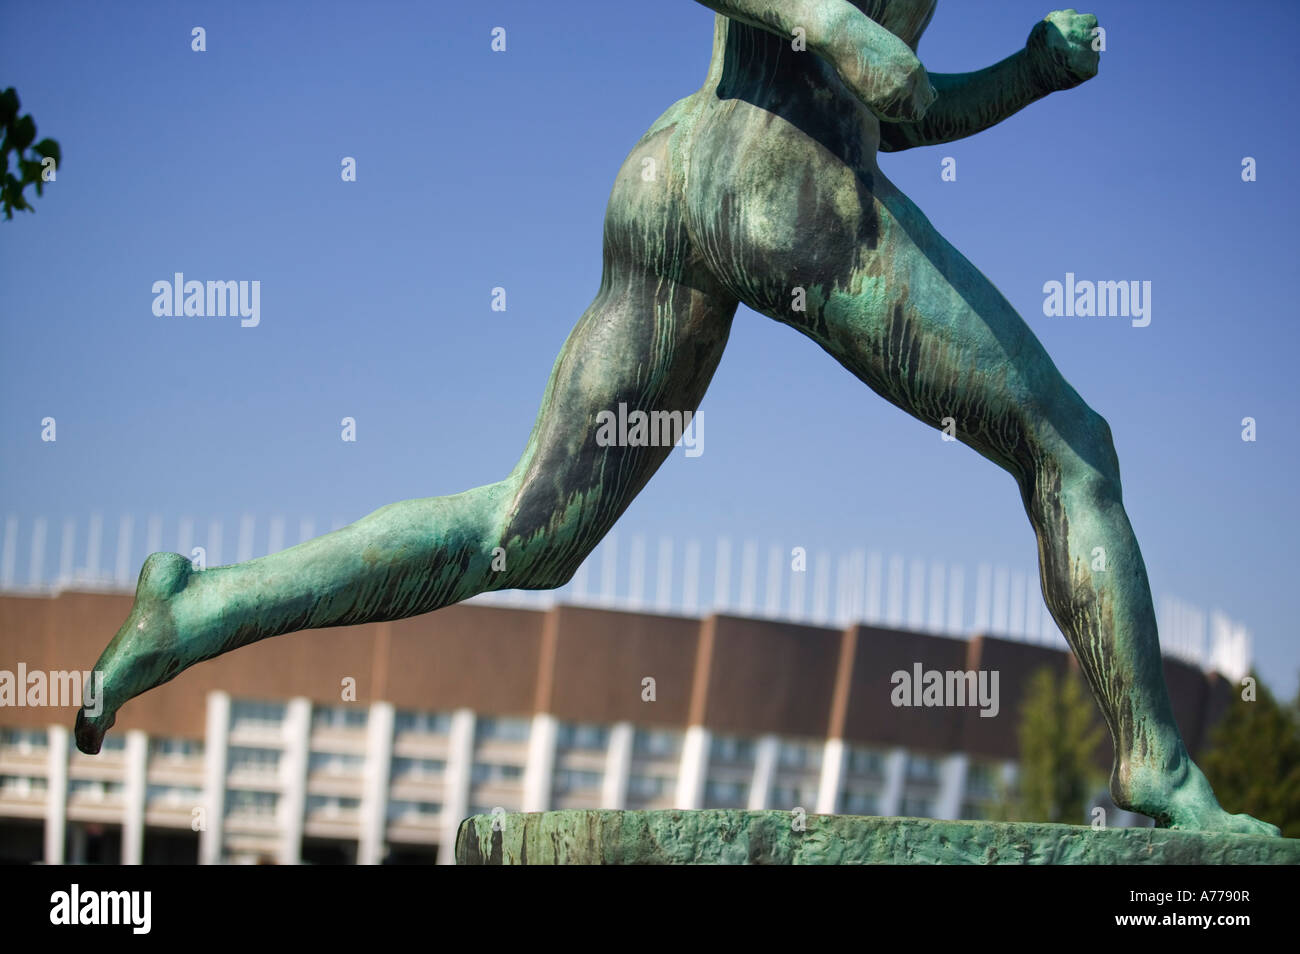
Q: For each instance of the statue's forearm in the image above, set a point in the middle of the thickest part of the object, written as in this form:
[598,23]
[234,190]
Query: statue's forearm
[970,102]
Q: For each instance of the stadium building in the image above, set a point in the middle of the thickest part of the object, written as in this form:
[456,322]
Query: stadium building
[369,744]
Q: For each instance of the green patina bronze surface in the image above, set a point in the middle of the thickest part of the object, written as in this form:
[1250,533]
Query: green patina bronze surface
[735,837]
[761,188]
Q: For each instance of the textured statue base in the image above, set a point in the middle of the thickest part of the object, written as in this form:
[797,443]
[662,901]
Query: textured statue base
[736,837]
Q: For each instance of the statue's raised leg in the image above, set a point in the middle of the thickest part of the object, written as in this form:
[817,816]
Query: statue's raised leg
[647,341]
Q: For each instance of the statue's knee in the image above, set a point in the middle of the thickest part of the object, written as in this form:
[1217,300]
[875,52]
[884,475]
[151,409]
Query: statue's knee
[561,573]
[1083,458]
[1103,458]
[544,564]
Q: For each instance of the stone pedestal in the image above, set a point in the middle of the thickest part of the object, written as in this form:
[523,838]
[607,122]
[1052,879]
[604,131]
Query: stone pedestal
[733,836]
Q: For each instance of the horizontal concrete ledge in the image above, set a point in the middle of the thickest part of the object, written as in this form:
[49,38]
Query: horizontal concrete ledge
[736,837]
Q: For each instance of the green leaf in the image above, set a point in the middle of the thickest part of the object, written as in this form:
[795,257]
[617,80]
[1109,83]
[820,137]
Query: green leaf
[8,106]
[49,149]
[24,132]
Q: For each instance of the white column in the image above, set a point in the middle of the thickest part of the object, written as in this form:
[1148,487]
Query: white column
[56,794]
[293,776]
[460,764]
[93,545]
[694,767]
[828,791]
[952,785]
[374,793]
[765,754]
[36,567]
[891,794]
[66,555]
[539,772]
[618,766]
[216,743]
[10,552]
[122,566]
[135,789]
[691,579]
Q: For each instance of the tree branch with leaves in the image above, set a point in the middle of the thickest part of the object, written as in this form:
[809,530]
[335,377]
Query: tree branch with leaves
[36,169]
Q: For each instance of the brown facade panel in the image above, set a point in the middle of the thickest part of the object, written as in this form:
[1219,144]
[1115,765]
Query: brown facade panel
[477,657]
[1188,692]
[870,715]
[60,634]
[300,664]
[602,657]
[1015,663]
[311,664]
[732,675]
[765,676]
[1220,695]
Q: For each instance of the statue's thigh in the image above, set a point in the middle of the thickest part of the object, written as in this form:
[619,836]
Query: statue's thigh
[924,328]
[626,383]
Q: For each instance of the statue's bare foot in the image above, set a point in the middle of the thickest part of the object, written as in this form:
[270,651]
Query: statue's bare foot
[143,654]
[1180,798]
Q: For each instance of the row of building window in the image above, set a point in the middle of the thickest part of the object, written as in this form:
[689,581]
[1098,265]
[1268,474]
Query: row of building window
[724,749]
[339,717]
[335,763]
[177,749]
[422,723]
[649,787]
[332,805]
[258,804]
[415,769]
[243,760]
[252,714]
[23,741]
[648,744]
[243,802]
[502,729]
[581,737]
[489,772]
[656,743]
[266,762]
[174,796]
[399,810]
[22,786]
[572,780]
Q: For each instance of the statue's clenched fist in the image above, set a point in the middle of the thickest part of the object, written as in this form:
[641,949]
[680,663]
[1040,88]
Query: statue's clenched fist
[1061,49]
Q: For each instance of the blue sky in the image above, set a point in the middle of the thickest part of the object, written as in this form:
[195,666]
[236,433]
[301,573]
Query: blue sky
[478,169]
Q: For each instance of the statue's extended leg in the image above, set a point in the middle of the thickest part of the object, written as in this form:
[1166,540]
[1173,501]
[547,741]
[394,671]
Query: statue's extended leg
[912,318]
[646,341]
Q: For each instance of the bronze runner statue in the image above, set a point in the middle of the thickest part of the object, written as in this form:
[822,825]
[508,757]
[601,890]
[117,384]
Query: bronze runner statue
[765,191]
